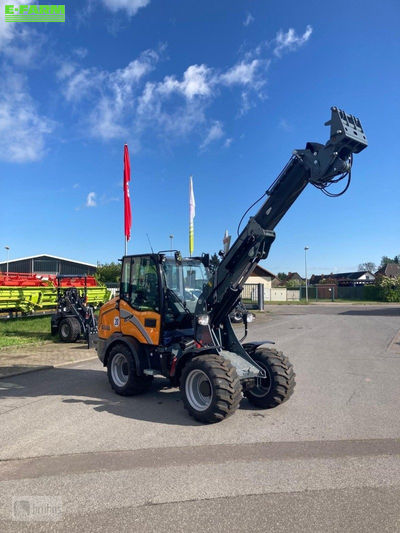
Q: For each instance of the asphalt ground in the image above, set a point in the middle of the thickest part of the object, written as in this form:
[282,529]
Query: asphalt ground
[327,460]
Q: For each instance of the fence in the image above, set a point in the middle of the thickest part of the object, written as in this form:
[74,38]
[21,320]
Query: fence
[251,294]
[255,294]
[333,292]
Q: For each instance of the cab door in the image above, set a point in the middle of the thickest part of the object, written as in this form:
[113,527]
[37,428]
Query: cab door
[140,299]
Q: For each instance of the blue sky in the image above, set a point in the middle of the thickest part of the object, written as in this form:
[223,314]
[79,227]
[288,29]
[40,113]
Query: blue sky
[220,90]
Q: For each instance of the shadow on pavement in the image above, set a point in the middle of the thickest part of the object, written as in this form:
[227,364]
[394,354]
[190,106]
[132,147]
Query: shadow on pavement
[161,404]
[386,311]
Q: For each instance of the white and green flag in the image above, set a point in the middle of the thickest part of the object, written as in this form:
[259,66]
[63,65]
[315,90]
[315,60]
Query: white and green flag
[192,213]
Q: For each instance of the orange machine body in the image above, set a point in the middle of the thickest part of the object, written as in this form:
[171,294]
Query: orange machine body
[118,317]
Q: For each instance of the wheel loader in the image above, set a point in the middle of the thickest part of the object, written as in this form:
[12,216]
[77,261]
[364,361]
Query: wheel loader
[172,315]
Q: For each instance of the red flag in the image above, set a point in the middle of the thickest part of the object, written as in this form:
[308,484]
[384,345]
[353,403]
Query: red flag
[127,199]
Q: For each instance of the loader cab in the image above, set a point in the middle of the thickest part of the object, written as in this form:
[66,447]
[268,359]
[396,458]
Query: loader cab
[162,292]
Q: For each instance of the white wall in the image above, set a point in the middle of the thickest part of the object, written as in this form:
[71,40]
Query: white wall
[275,294]
[259,279]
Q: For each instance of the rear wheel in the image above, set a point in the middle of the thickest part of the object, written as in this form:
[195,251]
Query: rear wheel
[69,329]
[121,371]
[210,388]
[279,383]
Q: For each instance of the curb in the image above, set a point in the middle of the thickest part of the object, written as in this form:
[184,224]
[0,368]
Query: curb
[48,367]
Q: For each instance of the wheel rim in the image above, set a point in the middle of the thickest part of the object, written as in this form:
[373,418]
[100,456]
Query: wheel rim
[198,390]
[264,385]
[65,330]
[120,370]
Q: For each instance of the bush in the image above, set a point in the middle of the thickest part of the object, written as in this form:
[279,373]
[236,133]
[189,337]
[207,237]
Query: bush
[385,290]
[390,288]
[109,272]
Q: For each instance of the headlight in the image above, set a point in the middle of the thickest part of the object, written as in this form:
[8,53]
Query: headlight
[250,317]
[203,320]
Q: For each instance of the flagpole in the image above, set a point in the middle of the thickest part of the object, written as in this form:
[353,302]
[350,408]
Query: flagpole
[192,209]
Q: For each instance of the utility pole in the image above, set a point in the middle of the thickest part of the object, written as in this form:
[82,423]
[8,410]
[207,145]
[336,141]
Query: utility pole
[305,267]
[8,257]
[172,241]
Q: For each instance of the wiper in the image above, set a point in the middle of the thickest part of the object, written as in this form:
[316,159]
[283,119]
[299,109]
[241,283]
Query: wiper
[178,299]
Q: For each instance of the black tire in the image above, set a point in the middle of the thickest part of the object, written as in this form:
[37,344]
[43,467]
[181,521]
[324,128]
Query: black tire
[121,372]
[279,384]
[69,329]
[218,394]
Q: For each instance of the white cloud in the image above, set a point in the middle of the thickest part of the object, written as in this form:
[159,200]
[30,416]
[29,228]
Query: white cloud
[178,106]
[23,130]
[20,43]
[197,81]
[214,133]
[66,70]
[228,142]
[285,125]
[123,102]
[91,200]
[80,52]
[7,30]
[80,82]
[110,94]
[290,40]
[130,6]
[243,73]
[248,20]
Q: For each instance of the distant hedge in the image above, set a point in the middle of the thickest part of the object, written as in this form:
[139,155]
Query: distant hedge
[385,290]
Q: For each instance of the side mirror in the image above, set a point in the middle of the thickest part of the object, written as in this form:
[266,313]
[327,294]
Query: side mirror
[205,259]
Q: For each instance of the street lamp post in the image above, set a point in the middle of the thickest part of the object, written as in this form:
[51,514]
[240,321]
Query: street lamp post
[172,240]
[305,267]
[8,257]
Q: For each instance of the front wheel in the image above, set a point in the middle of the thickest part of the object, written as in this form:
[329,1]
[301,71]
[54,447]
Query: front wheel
[69,329]
[279,383]
[121,371]
[210,388]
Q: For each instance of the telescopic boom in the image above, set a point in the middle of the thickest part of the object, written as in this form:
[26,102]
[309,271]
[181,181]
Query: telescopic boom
[318,164]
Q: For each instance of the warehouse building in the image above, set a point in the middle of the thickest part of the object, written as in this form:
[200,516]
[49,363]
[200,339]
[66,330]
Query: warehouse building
[47,264]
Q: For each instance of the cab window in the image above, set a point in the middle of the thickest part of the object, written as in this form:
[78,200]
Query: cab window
[144,294]
[126,279]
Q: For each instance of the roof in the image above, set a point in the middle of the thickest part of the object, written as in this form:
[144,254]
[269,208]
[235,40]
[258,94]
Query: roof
[47,255]
[391,269]
[294,275]
[341,275]
[349,275]
[261,271]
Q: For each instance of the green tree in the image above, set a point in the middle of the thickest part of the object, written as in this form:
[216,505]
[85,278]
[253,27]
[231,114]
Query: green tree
[369,265]
[108,272]
[214,261]
[282,276]
[386,260]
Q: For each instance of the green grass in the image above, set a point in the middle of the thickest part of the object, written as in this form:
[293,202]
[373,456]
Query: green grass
[19,331]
